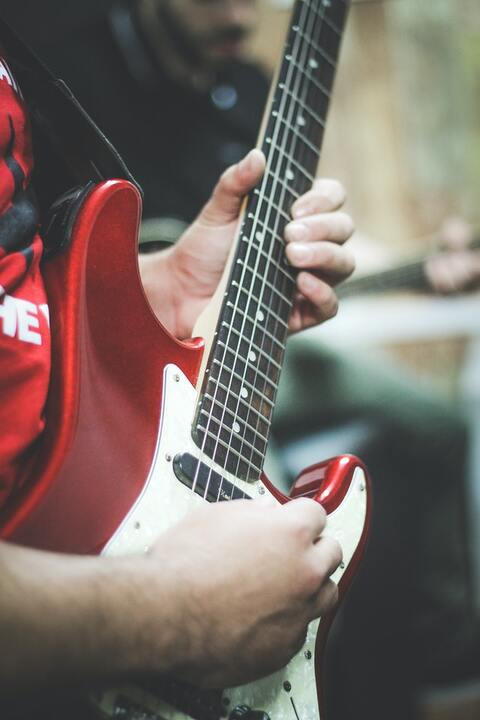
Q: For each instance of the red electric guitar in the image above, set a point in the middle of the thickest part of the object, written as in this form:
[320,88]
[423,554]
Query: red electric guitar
[142,428]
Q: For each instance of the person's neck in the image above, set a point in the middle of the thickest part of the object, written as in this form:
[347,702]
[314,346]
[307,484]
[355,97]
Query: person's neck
[170,51]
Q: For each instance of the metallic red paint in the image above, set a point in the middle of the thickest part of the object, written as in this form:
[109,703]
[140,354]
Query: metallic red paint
[103,410]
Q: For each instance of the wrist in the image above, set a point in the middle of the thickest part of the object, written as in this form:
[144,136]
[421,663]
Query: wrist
[156,271]
[143,632]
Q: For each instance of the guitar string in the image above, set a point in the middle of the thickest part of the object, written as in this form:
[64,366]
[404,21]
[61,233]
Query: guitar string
[284,123]
[301,92]
[301,78]
[264,182]
[303,96]
[261,205]
[222,360]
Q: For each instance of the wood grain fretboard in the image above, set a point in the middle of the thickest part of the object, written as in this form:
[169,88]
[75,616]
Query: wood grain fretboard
[232,424]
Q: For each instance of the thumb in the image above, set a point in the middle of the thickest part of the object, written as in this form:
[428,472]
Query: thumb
[226,200]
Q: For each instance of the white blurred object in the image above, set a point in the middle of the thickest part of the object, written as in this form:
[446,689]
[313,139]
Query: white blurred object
[282,4]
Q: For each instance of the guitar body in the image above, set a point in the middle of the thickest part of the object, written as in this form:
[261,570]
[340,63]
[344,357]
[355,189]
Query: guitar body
[108,354]
[120,411]
[142,428]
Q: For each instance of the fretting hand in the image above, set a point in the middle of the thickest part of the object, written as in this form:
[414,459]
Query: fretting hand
[180,281]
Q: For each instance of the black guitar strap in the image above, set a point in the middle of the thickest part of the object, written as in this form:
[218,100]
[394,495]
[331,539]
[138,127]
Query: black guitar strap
[71,152]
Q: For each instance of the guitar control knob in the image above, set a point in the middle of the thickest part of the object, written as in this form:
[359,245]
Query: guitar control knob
[244,712]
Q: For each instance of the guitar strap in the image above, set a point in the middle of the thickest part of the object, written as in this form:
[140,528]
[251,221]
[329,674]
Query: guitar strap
[71,152]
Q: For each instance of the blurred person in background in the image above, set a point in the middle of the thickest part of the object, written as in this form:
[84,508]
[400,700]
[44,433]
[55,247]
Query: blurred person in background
[168,82]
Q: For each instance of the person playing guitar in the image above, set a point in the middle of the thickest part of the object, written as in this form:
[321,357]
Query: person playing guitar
[181,608]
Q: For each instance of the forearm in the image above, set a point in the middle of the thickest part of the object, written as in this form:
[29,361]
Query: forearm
[70,620]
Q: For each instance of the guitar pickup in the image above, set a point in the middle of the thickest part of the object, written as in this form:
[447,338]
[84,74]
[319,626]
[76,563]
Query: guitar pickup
[207,483]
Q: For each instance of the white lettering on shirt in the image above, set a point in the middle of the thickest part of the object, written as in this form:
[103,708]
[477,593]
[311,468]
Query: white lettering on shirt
[44,309]
[19,318]
[5,74]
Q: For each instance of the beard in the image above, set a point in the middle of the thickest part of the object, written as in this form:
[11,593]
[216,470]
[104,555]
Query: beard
[200,48]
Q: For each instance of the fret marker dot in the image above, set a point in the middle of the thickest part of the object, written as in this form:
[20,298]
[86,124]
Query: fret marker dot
[244,392]
[259,236]
[313,63]
[236,427]
[260,316]
[301,120]
[290,175]
[251,356]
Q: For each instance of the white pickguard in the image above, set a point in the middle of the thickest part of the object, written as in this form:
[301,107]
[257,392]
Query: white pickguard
[165,500]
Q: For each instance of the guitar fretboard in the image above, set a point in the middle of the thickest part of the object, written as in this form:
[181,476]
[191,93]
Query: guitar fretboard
[232,424]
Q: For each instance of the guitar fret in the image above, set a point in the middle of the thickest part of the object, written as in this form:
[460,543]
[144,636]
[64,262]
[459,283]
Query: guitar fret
[333,25]
[260,403]
[259,329]
[280,181]
[264,377]
[245,373]
[268,310]
[304,106]
[236,375]
[317,84]
[303,171]
[241,401]
[248,427]
[266,230]
[277,208]
[283,271]
[319,49]
[258,350]
[280,296]
[314,81]
[232,451]
[301,136]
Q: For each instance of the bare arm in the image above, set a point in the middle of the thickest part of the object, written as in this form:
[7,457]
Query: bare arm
[73,620]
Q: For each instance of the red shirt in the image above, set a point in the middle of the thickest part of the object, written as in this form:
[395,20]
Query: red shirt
[24,328]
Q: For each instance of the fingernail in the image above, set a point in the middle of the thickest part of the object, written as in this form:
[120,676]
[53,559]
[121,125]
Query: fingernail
[245,162]
[297,232]
[299,252]
[299,211]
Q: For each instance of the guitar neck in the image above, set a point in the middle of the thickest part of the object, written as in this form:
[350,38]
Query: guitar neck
[232,424]
[408,276]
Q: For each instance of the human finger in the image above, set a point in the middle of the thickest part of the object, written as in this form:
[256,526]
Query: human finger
[333,226]
[325,599]
[325,195]
[307,515]
[316,300]
[227,197]
[326,258]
